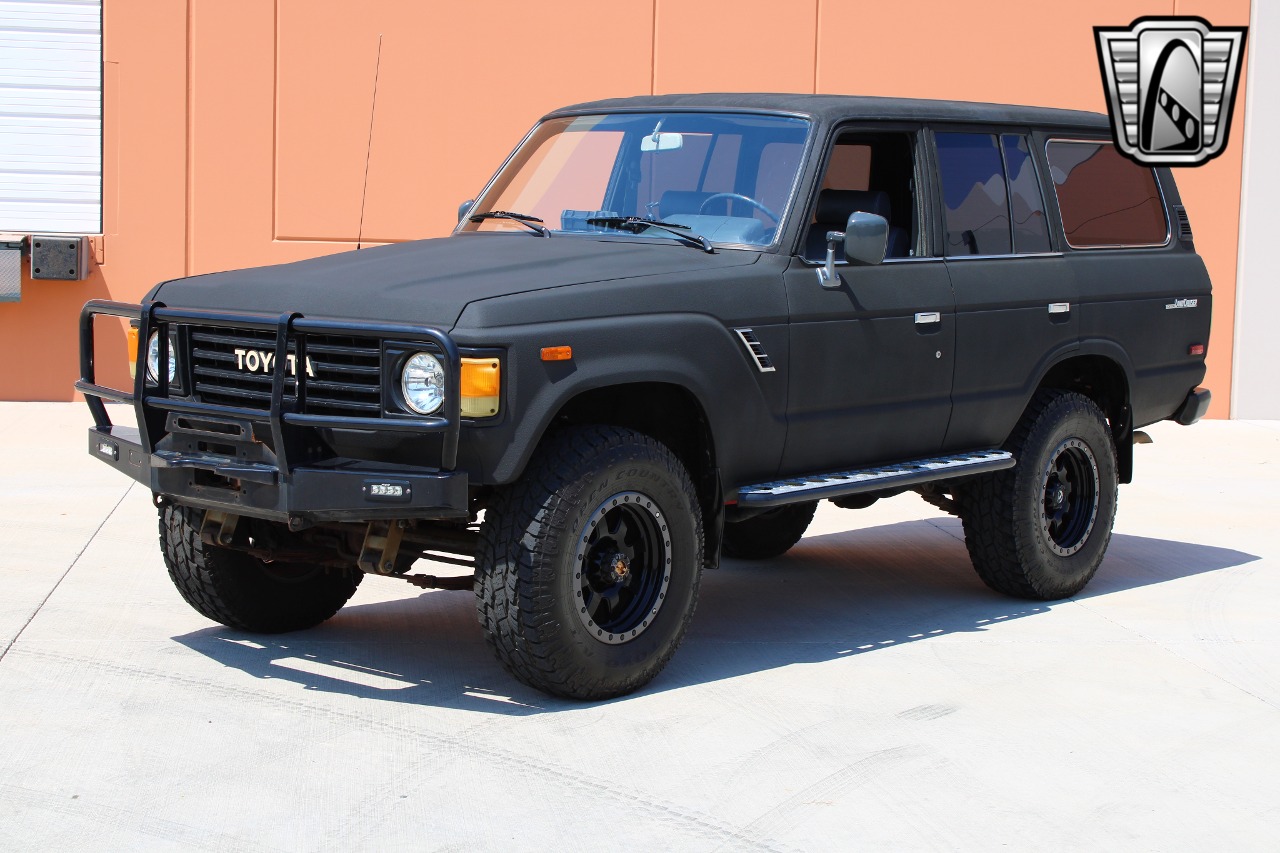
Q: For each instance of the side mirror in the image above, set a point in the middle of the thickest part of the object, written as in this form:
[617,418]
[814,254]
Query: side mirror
[865,240]
[464,208]
[866,237]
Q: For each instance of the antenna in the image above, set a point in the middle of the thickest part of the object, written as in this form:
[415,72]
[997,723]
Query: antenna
[368,151]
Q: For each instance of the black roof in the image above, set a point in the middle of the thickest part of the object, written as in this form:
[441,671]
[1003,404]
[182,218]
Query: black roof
[839,107]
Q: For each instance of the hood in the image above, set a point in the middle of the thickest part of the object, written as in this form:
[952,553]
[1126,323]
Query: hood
[430,282]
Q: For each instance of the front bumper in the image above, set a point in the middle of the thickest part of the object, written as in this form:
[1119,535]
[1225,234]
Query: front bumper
[343,491]
[252,462]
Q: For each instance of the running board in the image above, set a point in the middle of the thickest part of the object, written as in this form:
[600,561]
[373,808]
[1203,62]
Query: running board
[840,483]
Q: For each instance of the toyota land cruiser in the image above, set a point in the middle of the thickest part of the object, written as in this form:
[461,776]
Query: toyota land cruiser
[665,329]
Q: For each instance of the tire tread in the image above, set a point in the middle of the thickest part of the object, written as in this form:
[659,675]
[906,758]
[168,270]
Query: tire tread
[1003,557]
[230,587]
[515,560]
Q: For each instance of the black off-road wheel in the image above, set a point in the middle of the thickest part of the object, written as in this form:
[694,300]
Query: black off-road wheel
[588,567]
[243,592]
[769,534]
[1039,530]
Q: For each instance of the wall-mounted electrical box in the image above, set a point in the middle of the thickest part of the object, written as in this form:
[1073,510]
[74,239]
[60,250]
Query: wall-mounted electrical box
[62,258]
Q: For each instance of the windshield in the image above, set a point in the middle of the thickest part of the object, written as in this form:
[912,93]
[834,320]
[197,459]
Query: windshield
[726,177]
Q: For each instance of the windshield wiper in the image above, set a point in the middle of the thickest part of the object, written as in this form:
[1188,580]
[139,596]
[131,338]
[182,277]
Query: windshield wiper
[533,223]
[636,224]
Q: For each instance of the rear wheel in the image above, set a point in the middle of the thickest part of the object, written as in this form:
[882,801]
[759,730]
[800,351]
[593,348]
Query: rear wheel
[1040,529]
[769,534]
[588,566]
[241,591]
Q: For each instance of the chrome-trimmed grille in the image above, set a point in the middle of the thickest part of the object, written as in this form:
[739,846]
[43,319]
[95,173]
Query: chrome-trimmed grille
[344,372]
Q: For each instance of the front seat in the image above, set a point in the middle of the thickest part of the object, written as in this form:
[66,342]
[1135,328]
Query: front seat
[834,207]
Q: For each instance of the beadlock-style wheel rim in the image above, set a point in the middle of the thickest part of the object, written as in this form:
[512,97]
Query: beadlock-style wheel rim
[1070,504]
[622,567]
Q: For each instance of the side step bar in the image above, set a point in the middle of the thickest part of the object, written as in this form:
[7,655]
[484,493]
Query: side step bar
[841,483]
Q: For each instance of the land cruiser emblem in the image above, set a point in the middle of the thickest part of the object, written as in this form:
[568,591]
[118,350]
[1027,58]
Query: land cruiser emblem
[262,361]
[1182,303]
[1171,85]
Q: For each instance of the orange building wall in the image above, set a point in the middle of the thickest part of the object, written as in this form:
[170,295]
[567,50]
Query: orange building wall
[236,132]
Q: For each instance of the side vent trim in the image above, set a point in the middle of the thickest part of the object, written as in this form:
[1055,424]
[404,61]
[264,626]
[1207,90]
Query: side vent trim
[1184,224]
[753,345]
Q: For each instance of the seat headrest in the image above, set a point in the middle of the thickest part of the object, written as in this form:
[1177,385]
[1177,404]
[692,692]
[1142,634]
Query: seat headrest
[836,205]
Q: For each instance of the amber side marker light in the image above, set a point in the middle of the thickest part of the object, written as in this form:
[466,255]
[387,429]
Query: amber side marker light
[479,384]
[557,353]
[133,352]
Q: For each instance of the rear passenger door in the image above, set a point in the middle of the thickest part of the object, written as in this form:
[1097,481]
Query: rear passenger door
[1016,309]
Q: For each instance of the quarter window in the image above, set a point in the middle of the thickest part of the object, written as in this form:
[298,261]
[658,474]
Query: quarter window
[1105,199]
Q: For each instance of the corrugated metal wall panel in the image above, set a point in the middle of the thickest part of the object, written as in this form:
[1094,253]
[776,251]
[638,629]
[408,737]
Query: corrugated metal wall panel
[51,116]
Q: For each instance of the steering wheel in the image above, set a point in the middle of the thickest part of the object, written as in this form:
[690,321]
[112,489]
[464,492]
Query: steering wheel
[740,197]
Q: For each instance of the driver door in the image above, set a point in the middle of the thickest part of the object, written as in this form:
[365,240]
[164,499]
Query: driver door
[871,359]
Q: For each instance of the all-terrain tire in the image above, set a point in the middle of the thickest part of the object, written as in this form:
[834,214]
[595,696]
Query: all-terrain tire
[769,534]
[1039,530]
[243,592]
[588,567]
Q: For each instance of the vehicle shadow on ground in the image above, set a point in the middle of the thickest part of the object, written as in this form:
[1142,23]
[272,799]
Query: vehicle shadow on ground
[832,596]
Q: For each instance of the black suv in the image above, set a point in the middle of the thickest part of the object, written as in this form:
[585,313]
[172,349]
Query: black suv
[665,329]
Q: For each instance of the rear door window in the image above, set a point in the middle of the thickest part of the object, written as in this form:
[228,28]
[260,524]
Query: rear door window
[975,199]
[1030,229]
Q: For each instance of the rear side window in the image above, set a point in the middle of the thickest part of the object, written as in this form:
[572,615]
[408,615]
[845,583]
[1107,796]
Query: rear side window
[974,193]
[1030,229]
[1105,199]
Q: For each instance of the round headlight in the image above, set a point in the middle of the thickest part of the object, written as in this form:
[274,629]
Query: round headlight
[422,382]
[153,359]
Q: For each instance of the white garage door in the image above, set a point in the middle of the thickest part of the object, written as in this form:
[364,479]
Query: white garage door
[51,116]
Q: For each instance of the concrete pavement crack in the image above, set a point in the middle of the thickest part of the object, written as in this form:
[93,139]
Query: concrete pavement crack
[65,572]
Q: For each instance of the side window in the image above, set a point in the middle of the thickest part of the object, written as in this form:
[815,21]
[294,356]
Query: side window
[849,168]
[1105,199]
[1030,229]
[974,194]
[872,172]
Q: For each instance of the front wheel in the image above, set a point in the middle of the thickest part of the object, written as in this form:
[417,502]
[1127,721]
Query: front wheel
[588,566]
[1040,529]
[243,592]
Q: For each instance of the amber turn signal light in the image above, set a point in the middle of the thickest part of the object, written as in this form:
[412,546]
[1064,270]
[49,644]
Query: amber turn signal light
[557,353]
[479,385]
[133,352]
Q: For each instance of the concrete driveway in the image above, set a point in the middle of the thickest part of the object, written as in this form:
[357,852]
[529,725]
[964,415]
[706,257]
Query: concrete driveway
[865,691]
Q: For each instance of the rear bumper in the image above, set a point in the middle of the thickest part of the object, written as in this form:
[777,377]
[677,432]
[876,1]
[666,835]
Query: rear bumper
[346,491]
[1194,407]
